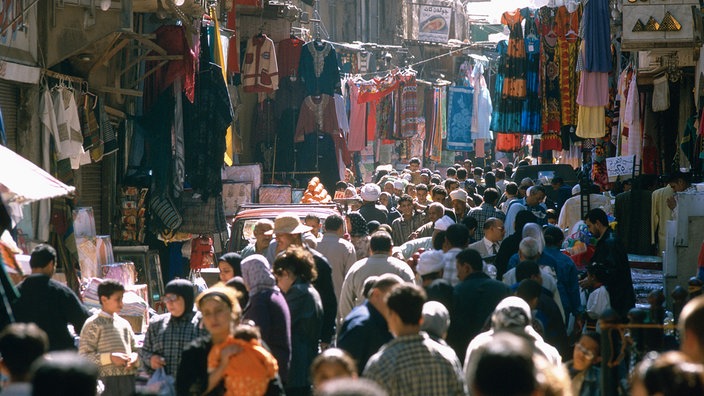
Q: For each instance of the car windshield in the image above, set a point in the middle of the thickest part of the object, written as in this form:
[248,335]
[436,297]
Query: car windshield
[545,177]
[248,229]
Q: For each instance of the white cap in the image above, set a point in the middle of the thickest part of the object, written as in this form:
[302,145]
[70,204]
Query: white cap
[398,185]
[459,194]
[429,262]
[443,223]
[370,192]
[576,189]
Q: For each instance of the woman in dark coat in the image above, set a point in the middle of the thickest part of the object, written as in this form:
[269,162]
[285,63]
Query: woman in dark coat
[294,271]
[268,309]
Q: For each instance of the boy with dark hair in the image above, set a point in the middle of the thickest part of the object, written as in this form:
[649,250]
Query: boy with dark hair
[20,345]
[412,363]
[108,340]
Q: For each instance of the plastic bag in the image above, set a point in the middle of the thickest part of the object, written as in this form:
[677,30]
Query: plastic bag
[161,384]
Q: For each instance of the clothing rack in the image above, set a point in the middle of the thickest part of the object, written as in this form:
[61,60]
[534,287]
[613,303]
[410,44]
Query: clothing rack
[62,77]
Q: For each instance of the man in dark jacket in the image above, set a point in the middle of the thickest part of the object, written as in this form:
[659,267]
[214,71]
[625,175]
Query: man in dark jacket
[474,299]
[289,232]
[365,330]
[611,252]
[510,244]
[48,303]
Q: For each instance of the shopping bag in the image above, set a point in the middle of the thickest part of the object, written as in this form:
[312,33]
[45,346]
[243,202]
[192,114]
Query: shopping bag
[161,384]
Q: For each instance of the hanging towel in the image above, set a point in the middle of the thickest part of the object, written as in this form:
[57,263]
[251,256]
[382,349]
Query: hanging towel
[459,114]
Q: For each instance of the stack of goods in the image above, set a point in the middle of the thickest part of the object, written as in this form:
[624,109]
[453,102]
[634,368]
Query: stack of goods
[316,193]
[132,210]
[135,308]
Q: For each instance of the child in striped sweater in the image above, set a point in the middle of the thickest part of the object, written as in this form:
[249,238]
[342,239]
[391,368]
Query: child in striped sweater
[108,341]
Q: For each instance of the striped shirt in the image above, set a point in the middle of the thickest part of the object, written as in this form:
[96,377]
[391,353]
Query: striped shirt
[416,365]
[104,334]
[402,228]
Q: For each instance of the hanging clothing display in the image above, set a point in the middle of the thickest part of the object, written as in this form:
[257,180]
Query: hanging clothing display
[206,121]
[318,125]
[407,106]
[366,62]
[319,68]
[568,43]
[358,120]
[507,112]
[68,136]
[530,116]
[482,105]
[172,38]
[508,142]
[289,56]
[514,85]
[260,71]
[549,80]
[459,113]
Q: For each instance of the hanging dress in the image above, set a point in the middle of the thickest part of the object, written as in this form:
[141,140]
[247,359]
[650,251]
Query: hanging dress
[550,82]
[515,78]
[530,116]
[568,42]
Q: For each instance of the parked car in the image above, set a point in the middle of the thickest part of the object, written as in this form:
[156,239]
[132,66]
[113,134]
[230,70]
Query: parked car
[248,214]
[544,173]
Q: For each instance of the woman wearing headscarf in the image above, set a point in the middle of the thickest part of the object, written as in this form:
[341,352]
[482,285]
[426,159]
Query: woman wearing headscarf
[359,234]
[168,334]
[229,265]
[294,271]
[221,314]
[268,309]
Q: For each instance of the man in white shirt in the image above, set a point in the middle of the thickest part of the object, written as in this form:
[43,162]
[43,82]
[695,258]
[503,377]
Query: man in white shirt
[571,212]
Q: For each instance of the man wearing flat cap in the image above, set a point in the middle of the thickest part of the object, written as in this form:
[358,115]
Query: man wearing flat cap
[371,209]
[289,230]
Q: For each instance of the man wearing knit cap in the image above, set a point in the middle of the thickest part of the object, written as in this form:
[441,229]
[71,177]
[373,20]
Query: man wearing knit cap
[169,334]
[430,269]
[371,209]
[459,203]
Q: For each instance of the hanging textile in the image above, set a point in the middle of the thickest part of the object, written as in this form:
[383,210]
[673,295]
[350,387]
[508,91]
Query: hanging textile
[319,69]
[482,105]
[289,56]
[260,72]
[633,120]
[514,85]
[385,118]
[459,112]
[435,105]
[530,116]
[508,142]
[408,106]
[219,59]
[651,158]
[550,82]
[366,62]
[318,121]
[3,136]
[568,43]
[358,119]
[207,121]
[49,128]
[172,38]
[597,36]
[233,43]
[68,138]
[507,112]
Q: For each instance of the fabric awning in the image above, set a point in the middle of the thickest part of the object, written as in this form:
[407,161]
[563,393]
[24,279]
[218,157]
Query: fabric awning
[23,182]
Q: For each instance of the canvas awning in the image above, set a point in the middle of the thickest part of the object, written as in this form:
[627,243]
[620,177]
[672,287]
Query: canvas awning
[23,182]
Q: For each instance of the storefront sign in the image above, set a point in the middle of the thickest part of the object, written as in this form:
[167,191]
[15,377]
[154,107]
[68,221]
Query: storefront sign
[434,23]
[619,166]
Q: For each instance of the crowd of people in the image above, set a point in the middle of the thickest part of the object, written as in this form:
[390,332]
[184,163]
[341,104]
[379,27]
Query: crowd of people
[429,284]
